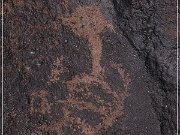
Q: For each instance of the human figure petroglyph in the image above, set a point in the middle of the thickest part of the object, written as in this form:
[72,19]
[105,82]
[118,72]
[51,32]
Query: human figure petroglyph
[88,21]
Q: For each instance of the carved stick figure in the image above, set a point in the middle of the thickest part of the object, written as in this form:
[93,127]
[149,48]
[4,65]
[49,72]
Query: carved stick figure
[87,21]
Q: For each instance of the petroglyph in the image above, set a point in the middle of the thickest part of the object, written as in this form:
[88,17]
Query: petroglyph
[108,113]
[87,21]
[67,65]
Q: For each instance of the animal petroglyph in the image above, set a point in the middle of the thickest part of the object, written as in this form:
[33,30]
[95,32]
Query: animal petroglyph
[88,21]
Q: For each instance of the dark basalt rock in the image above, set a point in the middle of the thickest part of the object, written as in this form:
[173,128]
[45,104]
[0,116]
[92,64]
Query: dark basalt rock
[150,28]
[90,67]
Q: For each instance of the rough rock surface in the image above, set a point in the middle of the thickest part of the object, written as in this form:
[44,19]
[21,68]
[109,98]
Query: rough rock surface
[150,27]
[89,67]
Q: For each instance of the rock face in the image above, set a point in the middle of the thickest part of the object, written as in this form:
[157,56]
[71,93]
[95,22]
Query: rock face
[150,27]
[89,67]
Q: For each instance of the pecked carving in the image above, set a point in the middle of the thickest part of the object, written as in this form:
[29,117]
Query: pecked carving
[84,89]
